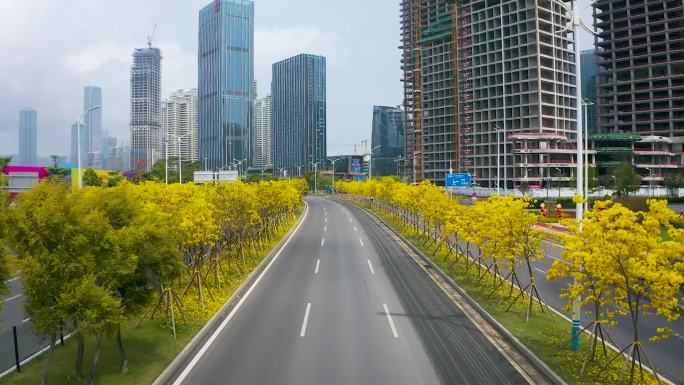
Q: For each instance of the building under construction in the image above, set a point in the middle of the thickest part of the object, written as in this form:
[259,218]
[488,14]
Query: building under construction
[145,108]
[489,89]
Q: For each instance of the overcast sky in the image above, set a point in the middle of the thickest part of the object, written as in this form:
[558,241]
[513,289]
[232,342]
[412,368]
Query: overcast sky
[51,49]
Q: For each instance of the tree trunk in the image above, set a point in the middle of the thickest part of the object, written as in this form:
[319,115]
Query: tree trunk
[96,358]
[122,351]
[79,352]
[46,366]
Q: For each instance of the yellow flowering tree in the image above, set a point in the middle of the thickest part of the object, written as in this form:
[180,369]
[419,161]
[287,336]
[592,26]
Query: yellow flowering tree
[622,266]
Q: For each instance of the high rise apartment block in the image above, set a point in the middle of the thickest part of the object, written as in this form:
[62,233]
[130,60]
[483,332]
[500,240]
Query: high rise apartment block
[145,108]
[28,137]
[640,53]
[298,90]
[263,134]
[226,82]
[180,126]
[489,89]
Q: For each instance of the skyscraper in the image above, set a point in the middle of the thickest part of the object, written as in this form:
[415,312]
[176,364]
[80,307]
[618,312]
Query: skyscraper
[263,134]
[429,62]
[179,121]
[298,90]
[517,112]
[28,137]
[92,97]
[226,80]
[388,133]
[145,106]
[588,66]
[488,89]
[640,54]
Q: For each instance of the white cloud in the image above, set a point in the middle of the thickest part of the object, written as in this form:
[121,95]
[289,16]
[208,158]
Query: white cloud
[95,56]
[277,43]
[179,67]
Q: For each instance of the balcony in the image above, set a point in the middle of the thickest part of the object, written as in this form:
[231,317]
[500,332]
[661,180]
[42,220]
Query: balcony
[662,165]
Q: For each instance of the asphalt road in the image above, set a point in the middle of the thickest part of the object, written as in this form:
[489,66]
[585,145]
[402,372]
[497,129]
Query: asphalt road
[342,304]
[13,305]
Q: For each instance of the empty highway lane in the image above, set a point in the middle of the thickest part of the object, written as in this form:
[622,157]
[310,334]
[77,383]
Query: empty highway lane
[342,304]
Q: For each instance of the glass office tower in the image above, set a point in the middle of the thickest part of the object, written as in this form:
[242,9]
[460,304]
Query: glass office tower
[388,133]
[298,90]
[28,137]
[225,84]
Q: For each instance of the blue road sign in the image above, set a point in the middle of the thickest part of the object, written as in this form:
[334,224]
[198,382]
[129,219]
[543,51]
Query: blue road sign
[459,180]
[359,177]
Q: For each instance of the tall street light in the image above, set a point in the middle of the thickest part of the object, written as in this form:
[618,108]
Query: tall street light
[650,182]
[333,172]
[315,176]
[574,26]
[370,162]
[180,157]
[586,103]
[498,159]
[299,170]
[78,138]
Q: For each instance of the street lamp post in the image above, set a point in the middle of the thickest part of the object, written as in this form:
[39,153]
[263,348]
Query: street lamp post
[370,162]
[78,138]
[650,182]
[586,103]
[498,160]
[315,176]
[574,26]
[180,158]
[299,170]
[559,181]
[333,172]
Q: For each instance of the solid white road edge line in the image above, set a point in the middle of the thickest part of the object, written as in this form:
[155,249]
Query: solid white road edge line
[371,267]
[205,347]
[318,263]
[306,320]
[389,318]
[11,298]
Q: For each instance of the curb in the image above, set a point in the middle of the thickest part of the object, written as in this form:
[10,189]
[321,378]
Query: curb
[190,350]
[522,349]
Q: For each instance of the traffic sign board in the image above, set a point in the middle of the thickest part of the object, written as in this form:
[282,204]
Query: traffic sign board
[459,180]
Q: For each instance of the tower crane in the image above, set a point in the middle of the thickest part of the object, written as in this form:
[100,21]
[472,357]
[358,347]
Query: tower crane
[150,38]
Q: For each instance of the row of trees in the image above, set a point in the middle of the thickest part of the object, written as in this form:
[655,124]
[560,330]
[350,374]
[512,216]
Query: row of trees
[99,256]
[621,263]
